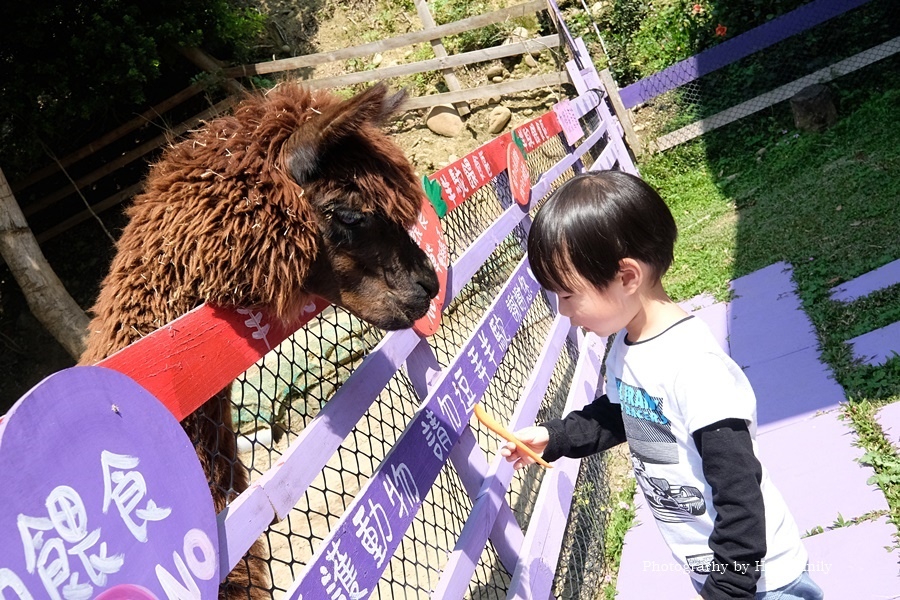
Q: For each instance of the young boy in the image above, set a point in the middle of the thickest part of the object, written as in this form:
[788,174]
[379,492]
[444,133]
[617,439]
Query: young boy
[687,411]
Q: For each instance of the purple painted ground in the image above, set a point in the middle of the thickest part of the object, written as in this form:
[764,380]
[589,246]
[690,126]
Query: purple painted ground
[864,285]
[809,453]
[774,341]
[877,347]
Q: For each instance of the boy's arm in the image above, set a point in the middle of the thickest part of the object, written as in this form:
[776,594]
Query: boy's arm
[738,540]
[596,427]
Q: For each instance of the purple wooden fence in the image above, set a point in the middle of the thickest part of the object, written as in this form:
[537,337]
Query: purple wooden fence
[776,30]
[351,560]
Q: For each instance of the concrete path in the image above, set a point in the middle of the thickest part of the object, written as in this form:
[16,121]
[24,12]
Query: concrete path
[809,452]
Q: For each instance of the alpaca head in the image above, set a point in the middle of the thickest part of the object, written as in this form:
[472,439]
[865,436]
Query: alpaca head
[364,197]
[295,193]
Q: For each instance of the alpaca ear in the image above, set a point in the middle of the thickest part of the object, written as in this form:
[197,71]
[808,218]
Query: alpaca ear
[392,104]
[328,128]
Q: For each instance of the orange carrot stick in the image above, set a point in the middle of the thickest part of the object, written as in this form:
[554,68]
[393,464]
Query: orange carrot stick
[500,430]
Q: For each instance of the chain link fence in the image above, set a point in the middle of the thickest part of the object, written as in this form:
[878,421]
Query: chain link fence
[282,393]
[768,73]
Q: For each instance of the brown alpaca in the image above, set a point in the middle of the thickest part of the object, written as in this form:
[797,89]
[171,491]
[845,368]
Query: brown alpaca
[296,193]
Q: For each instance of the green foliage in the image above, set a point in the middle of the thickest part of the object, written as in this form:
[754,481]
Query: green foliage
[235,28]
[643,37]
[814,531]
[747,14]
[880,454]
[67,65]
[887,469]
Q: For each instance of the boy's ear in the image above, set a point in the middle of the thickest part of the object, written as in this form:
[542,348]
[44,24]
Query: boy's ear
[631,273]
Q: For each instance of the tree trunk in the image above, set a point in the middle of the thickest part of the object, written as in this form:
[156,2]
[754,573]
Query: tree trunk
[48,300]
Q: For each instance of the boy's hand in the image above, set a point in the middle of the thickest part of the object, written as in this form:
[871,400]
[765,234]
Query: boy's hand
[536,438]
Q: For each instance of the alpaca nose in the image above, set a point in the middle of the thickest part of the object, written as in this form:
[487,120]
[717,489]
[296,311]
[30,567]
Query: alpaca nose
[428,281]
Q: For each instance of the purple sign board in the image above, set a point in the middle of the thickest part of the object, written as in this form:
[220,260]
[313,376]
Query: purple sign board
[350,561]
[102,496]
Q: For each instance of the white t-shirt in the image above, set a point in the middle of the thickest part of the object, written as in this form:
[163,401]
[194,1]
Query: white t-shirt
[668,387]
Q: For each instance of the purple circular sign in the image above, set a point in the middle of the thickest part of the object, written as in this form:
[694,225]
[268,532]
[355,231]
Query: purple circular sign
[102,495]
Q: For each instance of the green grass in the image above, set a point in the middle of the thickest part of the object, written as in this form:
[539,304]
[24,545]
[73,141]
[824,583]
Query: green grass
[704,254]
[825,203]
[619,522]
[880,454]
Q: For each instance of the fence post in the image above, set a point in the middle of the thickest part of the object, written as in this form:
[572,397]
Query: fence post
[588,78]
[462,108]
[623,114]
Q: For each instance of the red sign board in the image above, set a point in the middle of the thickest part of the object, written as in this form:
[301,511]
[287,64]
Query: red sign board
[429,235]
[461,179]
[187,361]
[519,178]
[537,131]
[467,175]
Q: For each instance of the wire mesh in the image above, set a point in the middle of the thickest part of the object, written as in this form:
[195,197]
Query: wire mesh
[277,398]
[820,53]
[591,123]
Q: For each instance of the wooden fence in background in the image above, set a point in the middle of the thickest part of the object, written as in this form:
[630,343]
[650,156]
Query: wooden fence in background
[47,203]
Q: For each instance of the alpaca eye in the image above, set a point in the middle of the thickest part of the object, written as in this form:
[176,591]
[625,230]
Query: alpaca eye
[348,217]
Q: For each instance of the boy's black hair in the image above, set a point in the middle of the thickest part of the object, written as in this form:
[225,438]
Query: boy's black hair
[592,222]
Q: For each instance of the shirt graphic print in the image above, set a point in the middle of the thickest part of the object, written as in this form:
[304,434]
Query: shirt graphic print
[651,440]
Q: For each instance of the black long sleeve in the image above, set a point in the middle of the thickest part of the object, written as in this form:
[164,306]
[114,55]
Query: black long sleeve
[738,540]
[596,427]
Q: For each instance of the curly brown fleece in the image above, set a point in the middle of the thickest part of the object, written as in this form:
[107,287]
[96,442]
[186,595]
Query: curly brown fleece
[222,219]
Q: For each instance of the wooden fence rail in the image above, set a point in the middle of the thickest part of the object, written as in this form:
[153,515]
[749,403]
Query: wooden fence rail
[459,96]
[437,46]
[130,157]
[414,37]
[110,137]
[437,64]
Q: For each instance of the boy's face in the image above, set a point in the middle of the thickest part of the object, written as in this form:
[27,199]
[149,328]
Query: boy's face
[602,312]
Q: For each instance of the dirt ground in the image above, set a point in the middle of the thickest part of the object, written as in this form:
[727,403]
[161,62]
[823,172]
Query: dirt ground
[348,23]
